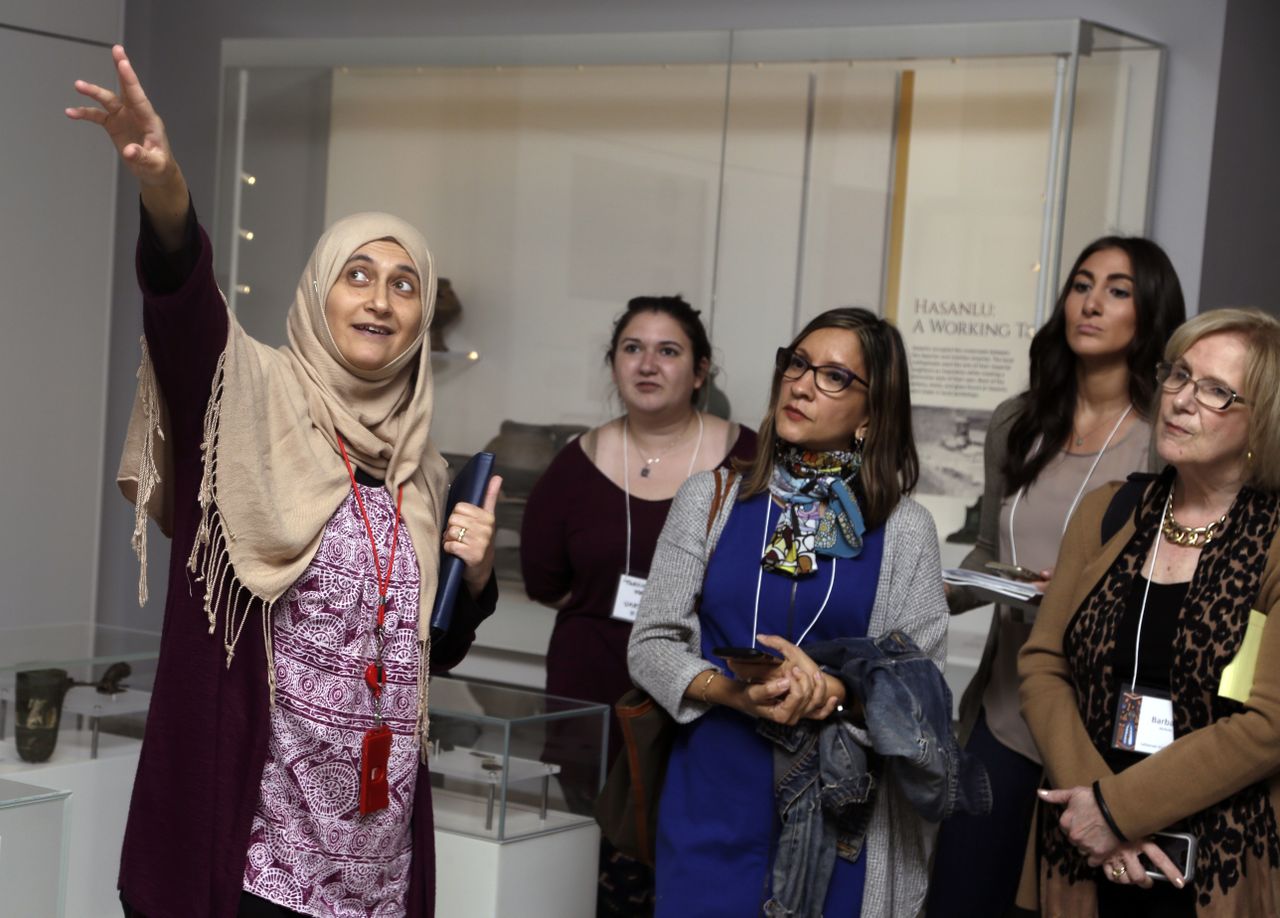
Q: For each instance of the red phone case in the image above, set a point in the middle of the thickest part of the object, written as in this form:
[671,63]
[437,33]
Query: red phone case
[375,752]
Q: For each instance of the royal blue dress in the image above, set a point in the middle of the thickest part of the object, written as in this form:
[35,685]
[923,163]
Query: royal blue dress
[717,823]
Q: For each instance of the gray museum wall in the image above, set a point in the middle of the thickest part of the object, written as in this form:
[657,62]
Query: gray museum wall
[56,255]
[1242,228]
[176,49]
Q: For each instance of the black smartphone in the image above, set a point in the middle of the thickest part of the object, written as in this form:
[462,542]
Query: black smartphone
[1013,571]
[1179,847]
[747,655]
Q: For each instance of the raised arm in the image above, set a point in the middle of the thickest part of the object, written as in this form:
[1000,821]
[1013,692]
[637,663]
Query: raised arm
[138,135]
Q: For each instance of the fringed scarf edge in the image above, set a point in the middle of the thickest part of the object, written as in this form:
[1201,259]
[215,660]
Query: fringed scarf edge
[210,557]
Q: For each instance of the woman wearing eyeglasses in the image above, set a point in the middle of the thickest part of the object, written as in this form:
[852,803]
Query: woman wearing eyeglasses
[1151,681]
[814,542]
[1082,422]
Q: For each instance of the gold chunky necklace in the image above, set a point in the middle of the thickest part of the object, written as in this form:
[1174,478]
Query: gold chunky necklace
[1190,536]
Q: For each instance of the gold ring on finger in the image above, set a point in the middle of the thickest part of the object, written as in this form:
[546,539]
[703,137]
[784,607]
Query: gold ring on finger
[462,533]
[1118,871]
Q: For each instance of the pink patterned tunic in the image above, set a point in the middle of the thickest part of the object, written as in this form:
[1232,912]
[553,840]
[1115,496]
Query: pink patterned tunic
[310,850]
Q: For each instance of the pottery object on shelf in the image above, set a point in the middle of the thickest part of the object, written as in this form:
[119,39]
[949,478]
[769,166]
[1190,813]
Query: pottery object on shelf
[522,452]
[38,698]
[448,310]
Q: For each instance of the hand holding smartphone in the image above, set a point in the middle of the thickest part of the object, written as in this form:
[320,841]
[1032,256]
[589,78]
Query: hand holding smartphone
[747,655]
[1179,847]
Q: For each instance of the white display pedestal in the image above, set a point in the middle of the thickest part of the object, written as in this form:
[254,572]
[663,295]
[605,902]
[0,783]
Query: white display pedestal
[34,833]
[538,876]
[100,789]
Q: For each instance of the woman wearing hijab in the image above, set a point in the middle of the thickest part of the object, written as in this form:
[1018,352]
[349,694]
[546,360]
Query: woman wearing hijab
[283,770]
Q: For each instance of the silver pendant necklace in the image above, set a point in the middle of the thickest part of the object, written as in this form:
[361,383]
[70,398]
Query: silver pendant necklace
[650,462]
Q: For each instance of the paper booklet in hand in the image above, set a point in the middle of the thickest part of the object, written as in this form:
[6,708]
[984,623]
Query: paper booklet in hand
[468,487]
[994,589]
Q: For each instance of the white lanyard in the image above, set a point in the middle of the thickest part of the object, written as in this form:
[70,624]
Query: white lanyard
[1151,572]
[1013,545]
[626,478]
[755,615]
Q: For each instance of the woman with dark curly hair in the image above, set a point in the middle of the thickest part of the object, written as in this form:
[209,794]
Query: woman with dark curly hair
[591,525]
[1083,421]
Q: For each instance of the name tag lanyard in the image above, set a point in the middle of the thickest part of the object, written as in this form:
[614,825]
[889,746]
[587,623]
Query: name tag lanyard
[628,584]
[375,745]
[755,615]
[1144,722]
[1155,552]
[1013,545]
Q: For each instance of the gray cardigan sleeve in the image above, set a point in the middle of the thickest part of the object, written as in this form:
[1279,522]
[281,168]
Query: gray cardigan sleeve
[665,650]
[987,548]
[909,595]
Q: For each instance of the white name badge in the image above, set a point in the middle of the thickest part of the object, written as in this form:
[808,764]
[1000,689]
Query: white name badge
[626,602]
[1144,723]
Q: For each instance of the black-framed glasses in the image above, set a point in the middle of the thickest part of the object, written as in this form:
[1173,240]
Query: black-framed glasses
[1211,393]
[829,378]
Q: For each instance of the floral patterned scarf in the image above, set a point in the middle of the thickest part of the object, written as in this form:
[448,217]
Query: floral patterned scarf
[820,514]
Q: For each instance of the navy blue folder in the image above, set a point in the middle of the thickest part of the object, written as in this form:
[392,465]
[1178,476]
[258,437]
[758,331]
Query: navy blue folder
[468,487]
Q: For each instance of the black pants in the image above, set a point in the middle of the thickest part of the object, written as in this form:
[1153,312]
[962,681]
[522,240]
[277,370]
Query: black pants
[978,860]
[250,907]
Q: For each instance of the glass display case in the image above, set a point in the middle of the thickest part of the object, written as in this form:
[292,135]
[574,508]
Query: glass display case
[941,175]
[508,765]
[34,829]
[59,704]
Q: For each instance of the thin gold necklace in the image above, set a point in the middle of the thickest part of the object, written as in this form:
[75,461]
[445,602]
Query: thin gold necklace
[1191,536]
[1081,437]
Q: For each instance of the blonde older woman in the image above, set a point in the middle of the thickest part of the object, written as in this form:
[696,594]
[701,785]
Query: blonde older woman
[1150,682]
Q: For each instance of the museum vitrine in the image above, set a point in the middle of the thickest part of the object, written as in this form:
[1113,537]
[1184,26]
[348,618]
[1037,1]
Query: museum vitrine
[508,764]
[940,175]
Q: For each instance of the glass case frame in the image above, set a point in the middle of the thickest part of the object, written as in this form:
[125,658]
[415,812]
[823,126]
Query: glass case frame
[769,222]
[489,759]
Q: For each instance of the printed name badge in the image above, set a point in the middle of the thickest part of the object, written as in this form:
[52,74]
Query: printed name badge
[626,602]
[1144,722]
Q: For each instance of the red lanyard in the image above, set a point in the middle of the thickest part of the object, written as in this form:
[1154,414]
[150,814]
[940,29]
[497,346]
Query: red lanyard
[375,675]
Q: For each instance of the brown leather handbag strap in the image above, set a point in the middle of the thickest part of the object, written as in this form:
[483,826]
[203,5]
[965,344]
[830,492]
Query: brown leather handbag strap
[724,483]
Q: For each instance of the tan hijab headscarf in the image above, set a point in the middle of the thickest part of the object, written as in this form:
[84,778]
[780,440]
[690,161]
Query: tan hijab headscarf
[273,475]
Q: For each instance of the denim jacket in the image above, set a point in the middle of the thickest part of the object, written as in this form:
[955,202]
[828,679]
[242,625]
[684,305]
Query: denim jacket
[826,774]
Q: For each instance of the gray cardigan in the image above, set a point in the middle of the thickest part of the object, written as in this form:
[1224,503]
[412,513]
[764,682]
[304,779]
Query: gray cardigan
[665,654]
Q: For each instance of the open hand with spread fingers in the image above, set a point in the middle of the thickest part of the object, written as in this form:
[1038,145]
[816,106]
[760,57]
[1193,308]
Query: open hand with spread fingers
[129,120]
[468,534]
[138,135]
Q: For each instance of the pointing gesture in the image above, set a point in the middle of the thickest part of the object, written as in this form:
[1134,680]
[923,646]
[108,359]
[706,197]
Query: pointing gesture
[138,135]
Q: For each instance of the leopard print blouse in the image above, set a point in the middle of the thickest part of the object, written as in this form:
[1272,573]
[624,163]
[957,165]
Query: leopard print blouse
[1239,834]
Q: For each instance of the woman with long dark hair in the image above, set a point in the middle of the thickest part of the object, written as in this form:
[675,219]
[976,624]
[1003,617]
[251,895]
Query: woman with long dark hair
[1084,420]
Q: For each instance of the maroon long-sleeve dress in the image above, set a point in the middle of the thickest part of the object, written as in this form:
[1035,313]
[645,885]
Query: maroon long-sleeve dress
[573,540]
[202,758]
